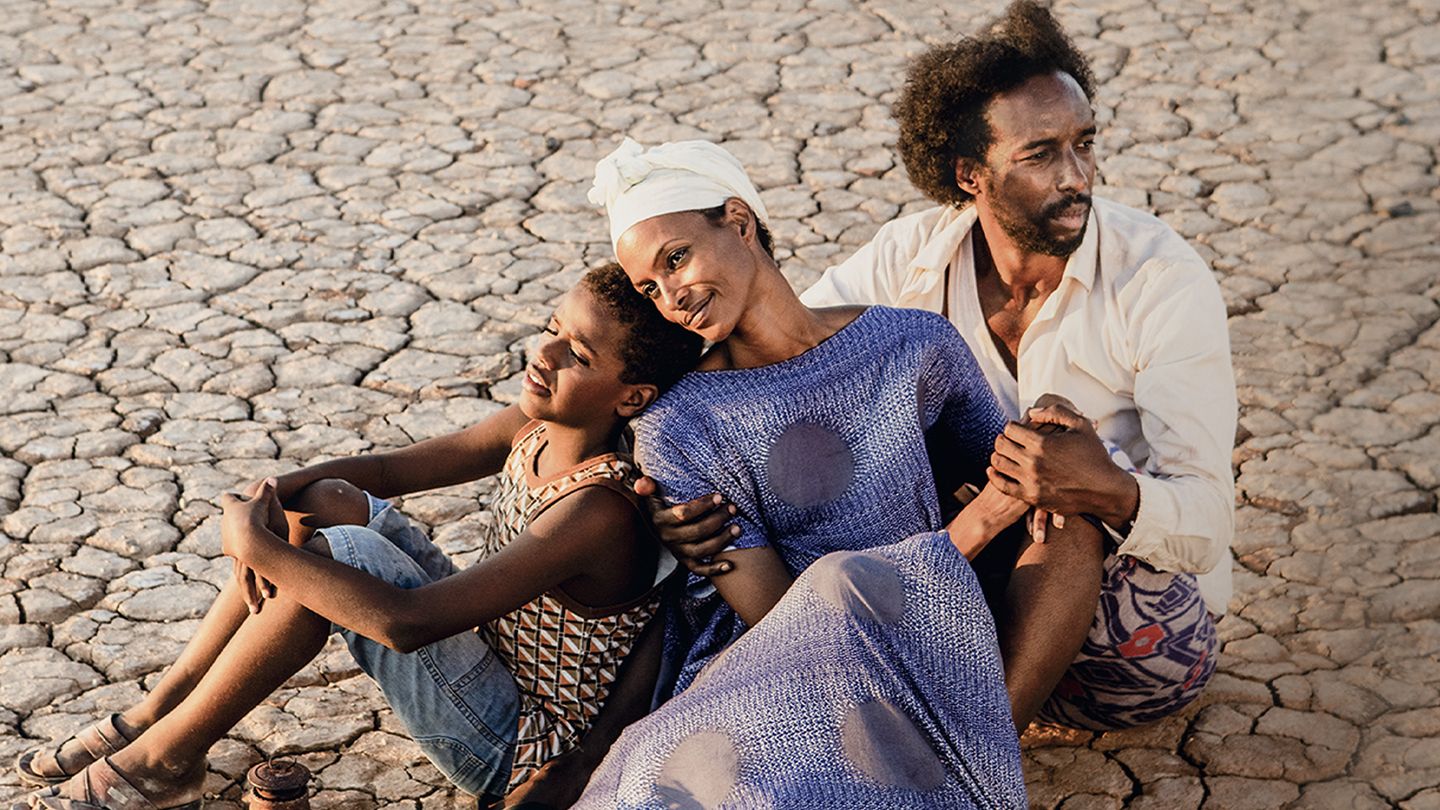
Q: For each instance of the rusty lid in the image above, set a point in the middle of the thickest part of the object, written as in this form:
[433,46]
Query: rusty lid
[279,776]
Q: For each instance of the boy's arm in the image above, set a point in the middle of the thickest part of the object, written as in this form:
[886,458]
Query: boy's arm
[455,458]
[557,546]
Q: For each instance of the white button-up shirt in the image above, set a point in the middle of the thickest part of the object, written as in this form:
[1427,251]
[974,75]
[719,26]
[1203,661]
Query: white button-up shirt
[1134,335]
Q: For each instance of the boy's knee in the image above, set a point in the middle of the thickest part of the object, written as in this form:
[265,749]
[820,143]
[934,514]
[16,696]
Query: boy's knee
[331,502]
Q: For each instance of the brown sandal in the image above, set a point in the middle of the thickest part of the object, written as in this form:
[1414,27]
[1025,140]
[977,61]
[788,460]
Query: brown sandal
[100,740]
[100,787]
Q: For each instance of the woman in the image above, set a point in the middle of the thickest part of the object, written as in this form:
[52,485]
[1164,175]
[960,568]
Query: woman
[815,424]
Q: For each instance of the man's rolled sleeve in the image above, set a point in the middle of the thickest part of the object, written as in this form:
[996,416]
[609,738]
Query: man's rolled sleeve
[1185,395]
[1164,534]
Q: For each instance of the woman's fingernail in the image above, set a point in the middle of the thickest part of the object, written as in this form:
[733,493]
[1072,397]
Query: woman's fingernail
[717,500]
[734,531]
[733,510]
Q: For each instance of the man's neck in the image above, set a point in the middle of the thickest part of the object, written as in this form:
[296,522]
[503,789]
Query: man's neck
[1024,274]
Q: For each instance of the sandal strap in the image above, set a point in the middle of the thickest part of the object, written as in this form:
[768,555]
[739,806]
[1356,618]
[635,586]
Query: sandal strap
[59,803]
[102,738]
[102,787]
[46,762]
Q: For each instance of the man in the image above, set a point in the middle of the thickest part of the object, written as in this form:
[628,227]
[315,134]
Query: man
[1105,332]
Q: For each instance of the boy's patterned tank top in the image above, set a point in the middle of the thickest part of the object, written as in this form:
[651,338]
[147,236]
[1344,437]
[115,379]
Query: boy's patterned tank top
[564,655]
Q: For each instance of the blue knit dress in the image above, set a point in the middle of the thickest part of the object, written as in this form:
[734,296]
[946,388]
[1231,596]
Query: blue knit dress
[876,681]
[823,452]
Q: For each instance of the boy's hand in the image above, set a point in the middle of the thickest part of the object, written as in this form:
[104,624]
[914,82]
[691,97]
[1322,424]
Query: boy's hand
[286,486]
[694,531]
[244,520]
[558,783]
[254,589]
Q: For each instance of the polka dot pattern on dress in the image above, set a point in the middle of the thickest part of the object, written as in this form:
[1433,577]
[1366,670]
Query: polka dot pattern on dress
[700,772]
[809,465]
[883,742]
[862,585]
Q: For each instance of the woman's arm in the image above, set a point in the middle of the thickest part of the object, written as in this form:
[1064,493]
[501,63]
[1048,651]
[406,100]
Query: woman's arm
[558,546]
[455,458]
[679,449]
[984,517]
[754,582]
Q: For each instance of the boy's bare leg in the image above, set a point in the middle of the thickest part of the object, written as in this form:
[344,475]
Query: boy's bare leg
[562,780]
[325,503]
[1049,606]
[167,761]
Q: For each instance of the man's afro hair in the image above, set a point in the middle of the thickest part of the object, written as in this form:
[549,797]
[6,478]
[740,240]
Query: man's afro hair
[942,110]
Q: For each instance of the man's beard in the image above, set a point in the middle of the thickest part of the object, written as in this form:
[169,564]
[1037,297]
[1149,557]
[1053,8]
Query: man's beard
[1029,233]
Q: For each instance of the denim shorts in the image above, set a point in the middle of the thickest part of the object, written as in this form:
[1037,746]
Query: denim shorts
[455,696]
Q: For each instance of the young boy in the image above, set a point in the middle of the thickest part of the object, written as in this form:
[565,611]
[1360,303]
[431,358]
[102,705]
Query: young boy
[567,583]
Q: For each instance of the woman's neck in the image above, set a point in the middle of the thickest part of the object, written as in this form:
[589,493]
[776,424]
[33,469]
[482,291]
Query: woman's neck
[775,326]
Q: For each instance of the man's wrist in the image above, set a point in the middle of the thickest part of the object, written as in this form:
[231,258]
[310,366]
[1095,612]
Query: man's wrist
[1120,500]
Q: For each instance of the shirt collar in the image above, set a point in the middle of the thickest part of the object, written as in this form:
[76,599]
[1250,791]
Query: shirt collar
[1086,258]
[923,286]
[940,250]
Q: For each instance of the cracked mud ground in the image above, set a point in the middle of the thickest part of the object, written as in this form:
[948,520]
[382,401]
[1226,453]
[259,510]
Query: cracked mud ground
[243,236]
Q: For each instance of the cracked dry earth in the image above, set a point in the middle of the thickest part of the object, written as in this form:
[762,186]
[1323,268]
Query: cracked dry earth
[243,236]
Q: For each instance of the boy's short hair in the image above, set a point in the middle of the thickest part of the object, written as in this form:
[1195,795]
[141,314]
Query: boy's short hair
[942,110]
[655,351]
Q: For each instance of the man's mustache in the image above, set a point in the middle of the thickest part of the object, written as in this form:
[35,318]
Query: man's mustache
[1059,206]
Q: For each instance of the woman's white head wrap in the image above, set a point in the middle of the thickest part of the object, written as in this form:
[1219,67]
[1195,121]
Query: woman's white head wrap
[635,183]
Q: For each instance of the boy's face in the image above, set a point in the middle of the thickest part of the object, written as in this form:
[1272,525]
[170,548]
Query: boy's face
[573,373]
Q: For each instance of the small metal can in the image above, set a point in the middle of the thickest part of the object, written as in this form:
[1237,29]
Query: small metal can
[278,784]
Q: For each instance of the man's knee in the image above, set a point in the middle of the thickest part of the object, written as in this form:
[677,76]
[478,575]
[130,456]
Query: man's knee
[1078,546]
[327,502]
[1058,578]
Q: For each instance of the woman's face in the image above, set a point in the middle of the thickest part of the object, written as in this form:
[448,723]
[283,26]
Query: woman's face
[698,274]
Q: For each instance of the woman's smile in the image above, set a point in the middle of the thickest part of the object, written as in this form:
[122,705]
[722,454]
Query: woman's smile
[695,316]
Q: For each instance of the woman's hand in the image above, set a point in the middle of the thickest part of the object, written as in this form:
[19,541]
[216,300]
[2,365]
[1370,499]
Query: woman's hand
[984,516]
